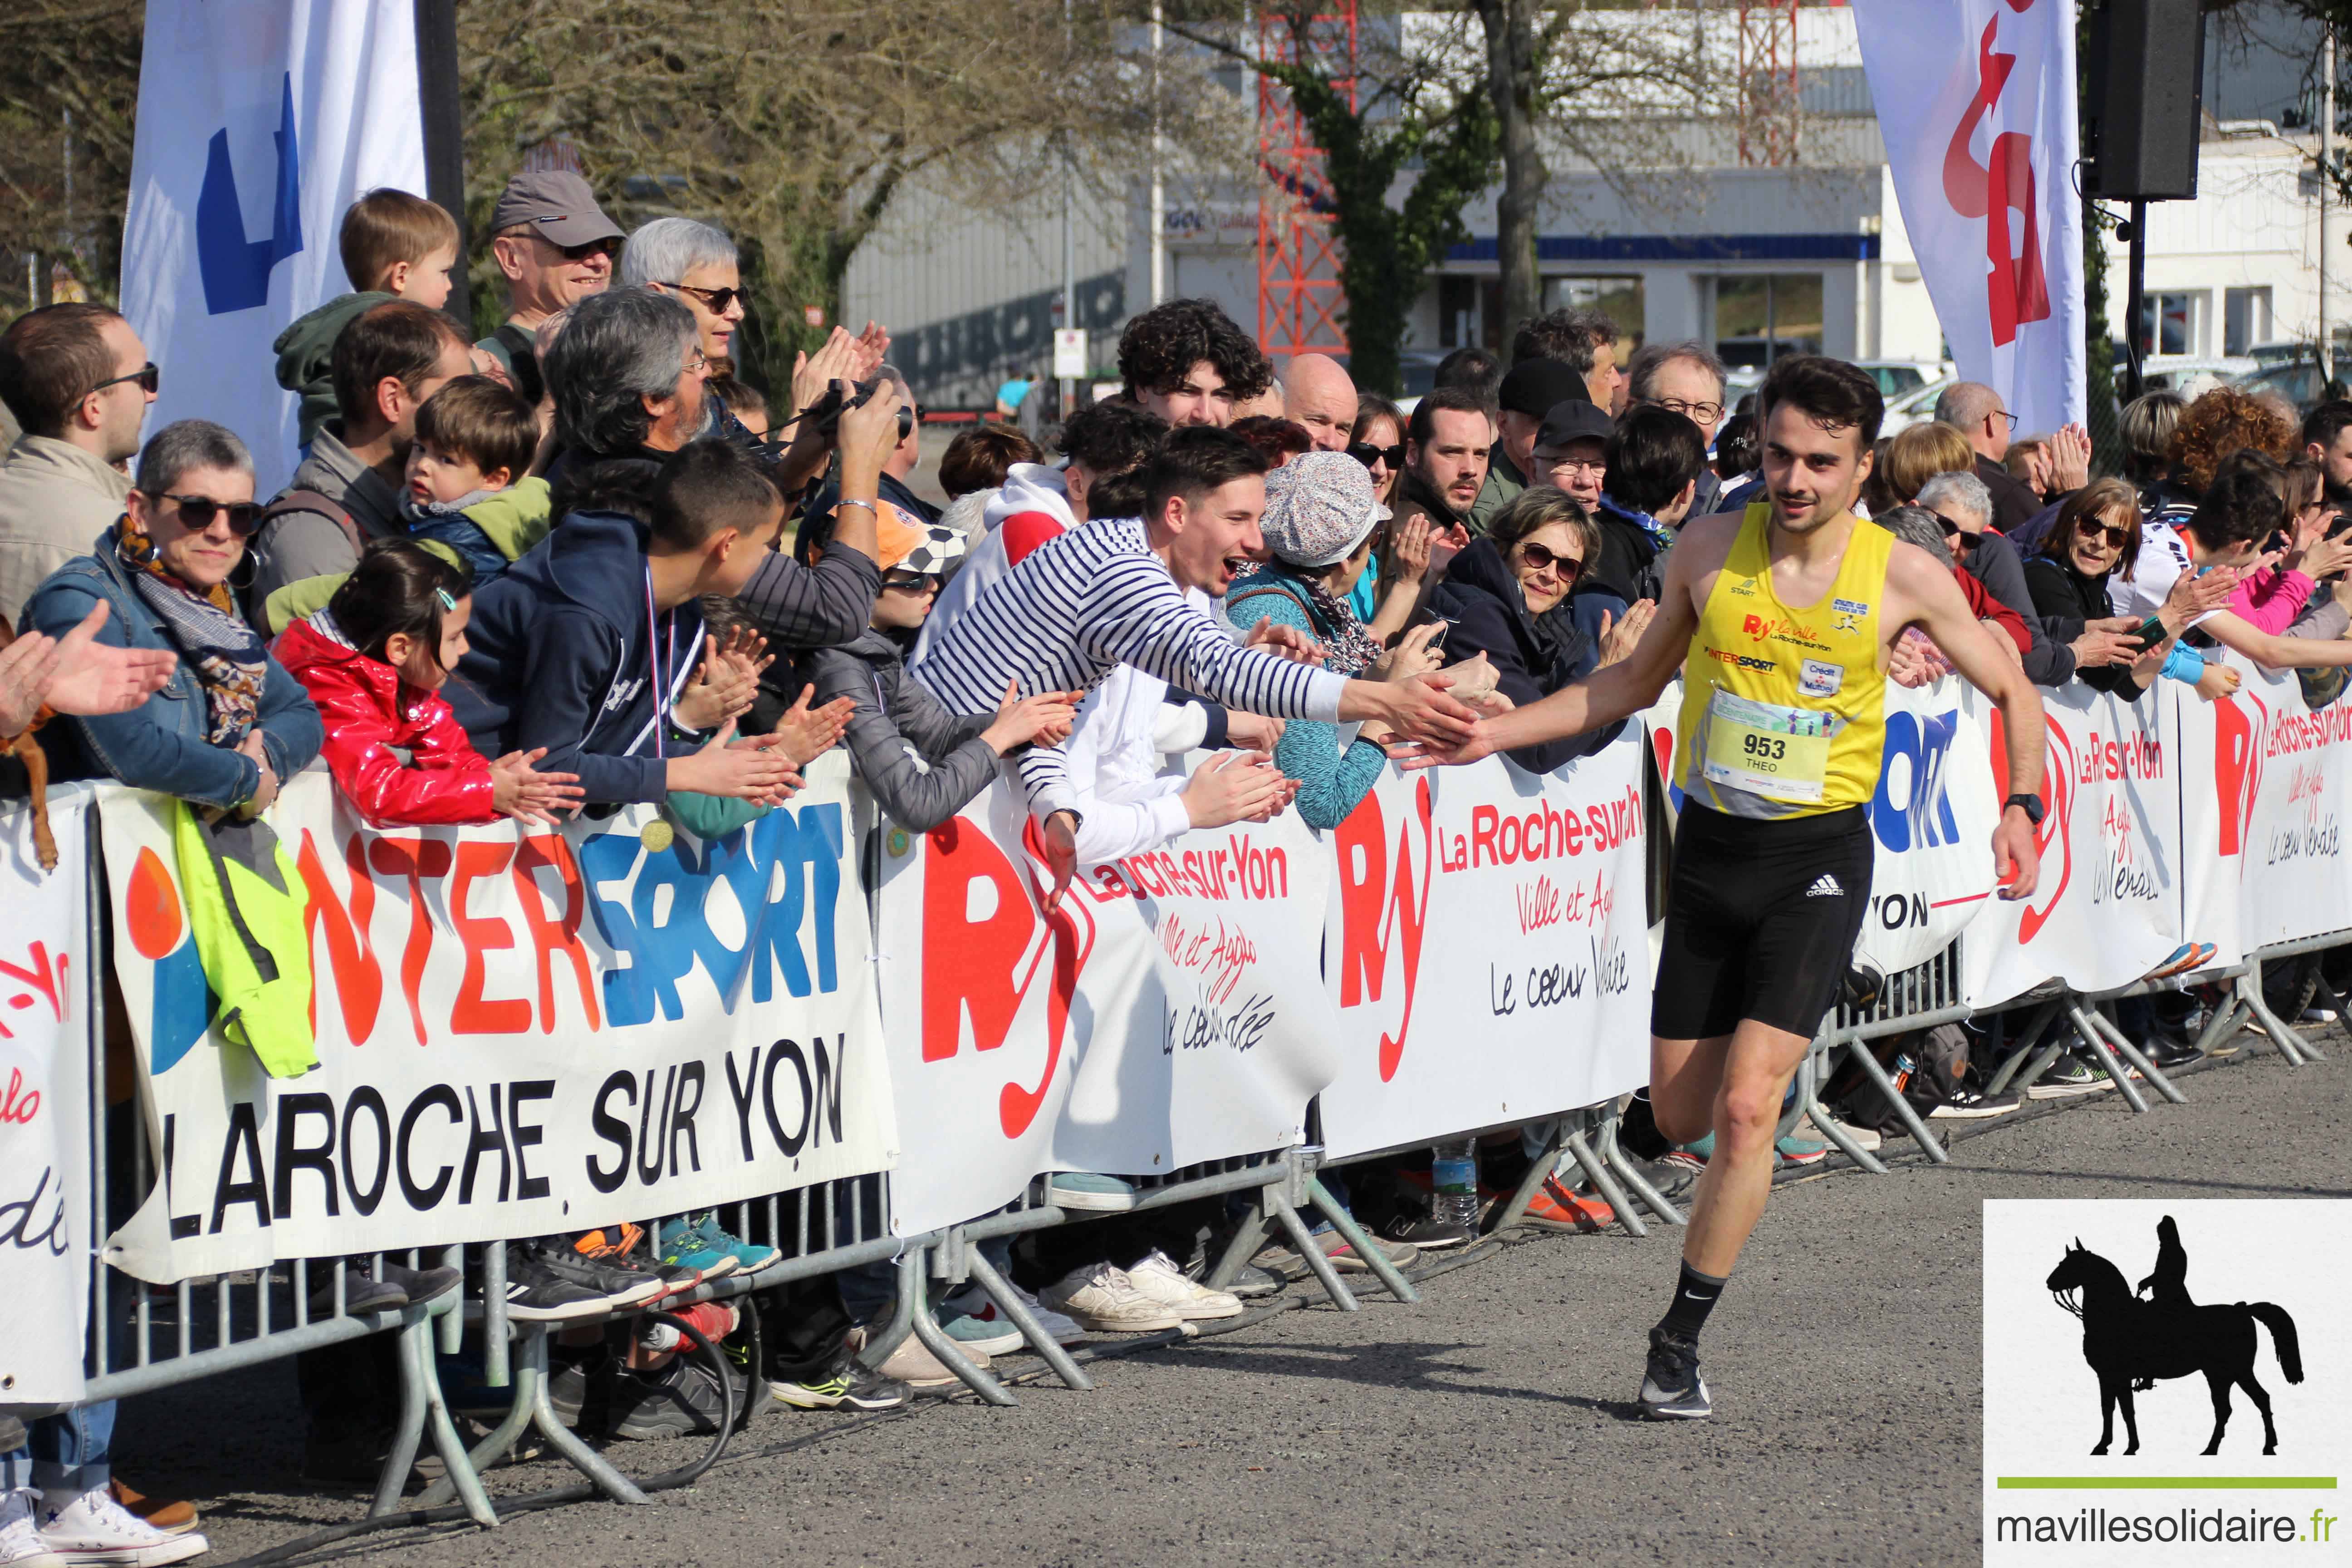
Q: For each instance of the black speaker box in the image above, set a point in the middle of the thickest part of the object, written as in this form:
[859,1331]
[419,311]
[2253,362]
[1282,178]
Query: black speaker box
[2141,122]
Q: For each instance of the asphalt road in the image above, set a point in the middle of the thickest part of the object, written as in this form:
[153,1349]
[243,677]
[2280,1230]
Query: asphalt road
[1489,1424]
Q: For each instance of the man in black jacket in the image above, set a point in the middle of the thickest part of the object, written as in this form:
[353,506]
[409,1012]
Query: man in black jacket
[1978,412]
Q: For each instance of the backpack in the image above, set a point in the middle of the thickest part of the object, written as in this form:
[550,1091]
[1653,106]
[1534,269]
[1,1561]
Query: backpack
[1938,1066]
[285,504]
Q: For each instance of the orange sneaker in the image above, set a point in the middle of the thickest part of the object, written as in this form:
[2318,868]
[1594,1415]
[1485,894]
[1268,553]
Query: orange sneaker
[1557,1208]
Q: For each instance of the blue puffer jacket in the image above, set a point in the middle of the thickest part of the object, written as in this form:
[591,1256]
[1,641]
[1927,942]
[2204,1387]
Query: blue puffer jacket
[161,744]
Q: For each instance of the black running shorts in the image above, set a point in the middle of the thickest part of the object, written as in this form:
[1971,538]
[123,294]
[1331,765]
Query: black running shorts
[1761,921]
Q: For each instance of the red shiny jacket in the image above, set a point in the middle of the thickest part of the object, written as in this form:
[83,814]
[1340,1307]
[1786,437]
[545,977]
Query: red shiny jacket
[366,712]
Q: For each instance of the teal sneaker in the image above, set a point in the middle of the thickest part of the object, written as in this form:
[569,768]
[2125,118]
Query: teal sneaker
[680,1245]
[1702,1151]
[971,1334]
[1089,1190]
[1796,1151]
[749,1256]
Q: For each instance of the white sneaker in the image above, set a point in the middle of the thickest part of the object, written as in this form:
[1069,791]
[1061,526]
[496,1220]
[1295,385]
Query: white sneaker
[93,1528]
[21,1545]
[1808,1126]
[1159,1278]
[974,1302]
[1105,1300]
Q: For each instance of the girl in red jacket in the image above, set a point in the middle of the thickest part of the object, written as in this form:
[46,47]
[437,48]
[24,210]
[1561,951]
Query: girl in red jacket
[373,660]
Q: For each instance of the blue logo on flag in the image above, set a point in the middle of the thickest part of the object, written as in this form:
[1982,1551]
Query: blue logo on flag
[236,269]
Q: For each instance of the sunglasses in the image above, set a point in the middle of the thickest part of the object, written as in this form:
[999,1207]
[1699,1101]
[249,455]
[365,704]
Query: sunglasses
[603,247]
[1539,559]
[1951,528]
[148,377]
[716,299]
[2090,528]
[905,580]
[198,513]
[1369,455]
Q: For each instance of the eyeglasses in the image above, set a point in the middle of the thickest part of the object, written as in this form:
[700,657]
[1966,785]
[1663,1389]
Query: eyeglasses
[1697,413]
[1370,455]
[2005,413]
[2090,528]
[198,513]
[148,377]
[699,364]
[1596,467]
[1541,559]
[715,301]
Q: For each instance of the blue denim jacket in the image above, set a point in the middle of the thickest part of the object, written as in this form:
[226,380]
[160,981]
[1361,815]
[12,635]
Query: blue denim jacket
[161,744]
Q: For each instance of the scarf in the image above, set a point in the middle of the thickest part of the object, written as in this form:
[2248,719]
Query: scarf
[1660,534]
[1349,648]
[228,660]
[414,511]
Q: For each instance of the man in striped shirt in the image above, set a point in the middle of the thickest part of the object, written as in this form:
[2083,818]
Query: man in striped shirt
[1112,593]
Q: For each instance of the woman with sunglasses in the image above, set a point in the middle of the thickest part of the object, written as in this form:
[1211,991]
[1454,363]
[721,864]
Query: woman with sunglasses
[231,725]
[698,266]
[2094,541]
[1379,444]
[1507,598]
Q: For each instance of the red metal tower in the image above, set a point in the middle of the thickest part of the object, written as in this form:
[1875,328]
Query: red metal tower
[1768,81]
[1299,301]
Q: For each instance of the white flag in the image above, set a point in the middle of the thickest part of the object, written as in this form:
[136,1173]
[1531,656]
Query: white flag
[1975,99]
[260,122]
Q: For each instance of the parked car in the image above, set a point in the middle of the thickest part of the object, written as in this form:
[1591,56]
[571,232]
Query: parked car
[1896,377]
[2300,380]
[2187,374]
[1916,406]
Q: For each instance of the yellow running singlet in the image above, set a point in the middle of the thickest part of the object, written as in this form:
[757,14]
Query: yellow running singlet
[1783,710]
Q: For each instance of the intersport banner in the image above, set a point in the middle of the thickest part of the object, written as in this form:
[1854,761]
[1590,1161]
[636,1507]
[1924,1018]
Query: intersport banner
[1976,99]
[45,1045]
[1485,948]
[2107,907]
[520,1031]
[2267,786]
[1170,1011]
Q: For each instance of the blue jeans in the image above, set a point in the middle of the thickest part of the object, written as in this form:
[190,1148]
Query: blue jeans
[66,1455]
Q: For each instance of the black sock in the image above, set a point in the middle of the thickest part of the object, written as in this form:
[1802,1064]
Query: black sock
[1695,1298]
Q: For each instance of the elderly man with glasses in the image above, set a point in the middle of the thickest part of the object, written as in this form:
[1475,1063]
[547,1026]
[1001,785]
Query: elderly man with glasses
[555,246]
[1684,378]
[1978,412]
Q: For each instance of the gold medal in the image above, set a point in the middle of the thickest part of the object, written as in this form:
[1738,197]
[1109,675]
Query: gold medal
[656,835]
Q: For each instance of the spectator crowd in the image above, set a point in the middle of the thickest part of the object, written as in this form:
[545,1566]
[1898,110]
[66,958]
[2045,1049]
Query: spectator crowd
[584,564]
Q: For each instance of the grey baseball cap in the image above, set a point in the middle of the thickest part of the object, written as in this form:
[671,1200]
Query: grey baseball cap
[558,206]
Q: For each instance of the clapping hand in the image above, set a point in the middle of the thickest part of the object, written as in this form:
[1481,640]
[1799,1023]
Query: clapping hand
[517,789]
[805,734]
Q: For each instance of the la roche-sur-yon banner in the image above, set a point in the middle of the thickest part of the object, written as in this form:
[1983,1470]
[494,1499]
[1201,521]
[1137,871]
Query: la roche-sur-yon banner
[1486,948]
[45,1071]
[520,1031]
[1170,1011]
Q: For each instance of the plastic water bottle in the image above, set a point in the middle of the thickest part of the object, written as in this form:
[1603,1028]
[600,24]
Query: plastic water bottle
[1453,1171]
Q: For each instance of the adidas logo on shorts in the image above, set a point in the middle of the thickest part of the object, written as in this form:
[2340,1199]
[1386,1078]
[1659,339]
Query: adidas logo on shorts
[1825,886]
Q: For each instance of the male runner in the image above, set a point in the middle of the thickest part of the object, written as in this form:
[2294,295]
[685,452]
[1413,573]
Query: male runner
[1781,621]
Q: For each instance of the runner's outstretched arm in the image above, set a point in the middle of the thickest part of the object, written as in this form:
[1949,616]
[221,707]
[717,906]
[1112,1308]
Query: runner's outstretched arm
[1921,592]
[1606,696]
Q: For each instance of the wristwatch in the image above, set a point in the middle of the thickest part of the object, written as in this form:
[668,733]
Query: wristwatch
[2029,804]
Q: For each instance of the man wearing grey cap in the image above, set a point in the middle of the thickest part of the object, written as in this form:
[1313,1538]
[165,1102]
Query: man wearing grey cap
[555,246]
[1532,389]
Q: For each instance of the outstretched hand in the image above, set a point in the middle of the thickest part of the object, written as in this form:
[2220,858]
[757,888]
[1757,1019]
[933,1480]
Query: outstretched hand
[517,789]
[805,734]
[78,674]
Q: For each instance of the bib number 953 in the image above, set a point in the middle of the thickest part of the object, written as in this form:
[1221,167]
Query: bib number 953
[1769,748]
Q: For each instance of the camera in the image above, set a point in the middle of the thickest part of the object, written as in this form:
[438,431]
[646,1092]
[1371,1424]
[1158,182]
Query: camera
[825,413]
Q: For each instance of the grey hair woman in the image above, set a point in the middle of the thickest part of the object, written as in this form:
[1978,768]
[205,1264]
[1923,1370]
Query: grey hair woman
[694,262]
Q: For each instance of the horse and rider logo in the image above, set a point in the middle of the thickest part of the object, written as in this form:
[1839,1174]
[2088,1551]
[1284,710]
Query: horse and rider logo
[2135,1338]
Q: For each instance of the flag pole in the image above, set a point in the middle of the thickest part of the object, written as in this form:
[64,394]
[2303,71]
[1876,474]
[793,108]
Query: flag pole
[444,133]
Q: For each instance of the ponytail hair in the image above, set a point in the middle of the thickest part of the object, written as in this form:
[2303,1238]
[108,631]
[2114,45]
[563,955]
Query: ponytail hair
[399,586]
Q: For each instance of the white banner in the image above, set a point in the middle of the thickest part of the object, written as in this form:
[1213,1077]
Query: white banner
[45,1045]
[2107,908]
[2267,786]
[1976,99]
[1486,948]
[1932,818]
[1170,1011]
[519,1032]
[260,122]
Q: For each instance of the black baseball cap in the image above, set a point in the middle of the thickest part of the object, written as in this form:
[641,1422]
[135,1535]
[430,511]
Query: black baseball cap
[558,206]
[1536,386]
[1571,419]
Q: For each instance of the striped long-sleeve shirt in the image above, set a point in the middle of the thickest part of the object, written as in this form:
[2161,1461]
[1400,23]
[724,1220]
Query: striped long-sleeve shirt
[1079,606]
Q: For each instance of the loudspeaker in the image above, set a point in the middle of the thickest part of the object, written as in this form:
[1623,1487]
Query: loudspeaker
[2145,107]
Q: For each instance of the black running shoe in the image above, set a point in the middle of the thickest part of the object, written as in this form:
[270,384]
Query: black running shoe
[1430,1234]
[363,1292]
[848,1381]
[421,1285]
[1672,1389]
[679,1400]
[1968,1104]
[547,1281]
